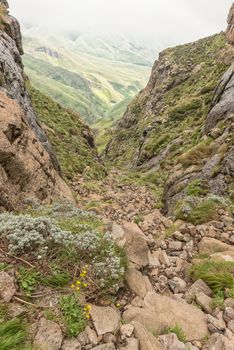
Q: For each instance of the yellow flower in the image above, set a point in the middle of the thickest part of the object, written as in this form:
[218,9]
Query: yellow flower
[82,275]
[78,282]
[85,285]
[118,305]
[72,286]
[89,307]
[87,316]
[77,288]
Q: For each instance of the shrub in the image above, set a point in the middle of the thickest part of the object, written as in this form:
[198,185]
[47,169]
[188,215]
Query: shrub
[71,244]
[178,330]
[217,274]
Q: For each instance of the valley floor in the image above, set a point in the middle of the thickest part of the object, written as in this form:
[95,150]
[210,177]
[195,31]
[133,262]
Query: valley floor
[178,285]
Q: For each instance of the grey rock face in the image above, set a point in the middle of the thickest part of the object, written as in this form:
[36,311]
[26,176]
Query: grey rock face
[12,78]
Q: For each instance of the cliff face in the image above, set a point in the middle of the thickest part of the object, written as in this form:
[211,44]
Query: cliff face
[179,129]
[28,166]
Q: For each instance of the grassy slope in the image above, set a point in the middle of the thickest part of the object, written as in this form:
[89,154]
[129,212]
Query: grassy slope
[176,119]
[182,107]
[67,133]
[105,81]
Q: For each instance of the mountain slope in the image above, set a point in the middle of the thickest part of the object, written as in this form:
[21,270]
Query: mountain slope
[161,132]
[86,73]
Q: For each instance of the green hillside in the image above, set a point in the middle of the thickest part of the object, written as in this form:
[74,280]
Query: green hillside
[94,76]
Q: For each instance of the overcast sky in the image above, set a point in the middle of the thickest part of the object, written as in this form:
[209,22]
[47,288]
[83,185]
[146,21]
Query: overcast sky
[167,21]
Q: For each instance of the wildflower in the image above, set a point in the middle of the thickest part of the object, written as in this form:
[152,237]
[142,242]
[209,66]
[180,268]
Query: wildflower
[78,282]
[118,305]
[72,286]
[85,285]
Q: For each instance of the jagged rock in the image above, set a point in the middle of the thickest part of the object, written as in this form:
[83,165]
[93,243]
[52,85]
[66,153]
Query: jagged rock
[7,287]
[219,342]
[136,246]
[177,285]
[170,341]
[212,246]
[48,336]
[197,287]
[230,28]
[105,319]
[109,346]
[204,301]
[228,314]
[160,312]
[118,234]
[93,339]
[215,325]
[70,344]
[126,330]
[25,167]
[132,344]
[146,339]
[137,282]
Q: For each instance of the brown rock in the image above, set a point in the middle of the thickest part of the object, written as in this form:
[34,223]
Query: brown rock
[105,319]
[146,339]
[212,246]
[136,246]
[71,344]
[26,169]
[204,301]
[136,282]
[7,287]
[160,312]
[48,336]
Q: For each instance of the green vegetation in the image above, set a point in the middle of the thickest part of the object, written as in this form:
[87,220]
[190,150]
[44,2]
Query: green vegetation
[70,137]
[73,315]
[178,330]
[217,274]
[196,154]
[28,280]
[94,76]
[12,334]
[198,210]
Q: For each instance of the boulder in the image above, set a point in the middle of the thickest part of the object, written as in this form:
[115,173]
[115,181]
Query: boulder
[136,246]
[177,285]
[136,282]
[105,319]
[197,287]
[204,301]
[212,245]
[160,312]
[48,336]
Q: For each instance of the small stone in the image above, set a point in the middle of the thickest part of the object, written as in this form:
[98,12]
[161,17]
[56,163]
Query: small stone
[70,344]
[204,301]
[109,338]
[175,245]
[126,330]
[215,325]
[93,339]
[49,335]
[7,287]
[16,310]
[105,319]
[228,314]
[177,285]
[163,258]
[83,338]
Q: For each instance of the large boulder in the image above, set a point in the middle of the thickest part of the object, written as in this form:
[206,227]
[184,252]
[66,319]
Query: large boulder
[105,319]
[212,246]
[160,312]
[48,336]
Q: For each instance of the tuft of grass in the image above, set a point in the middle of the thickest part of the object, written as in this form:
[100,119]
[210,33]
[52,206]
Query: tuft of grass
[197,154]
[196,188]
[12,334]
[57,279]
[218,300]
[178,330]
[218,275]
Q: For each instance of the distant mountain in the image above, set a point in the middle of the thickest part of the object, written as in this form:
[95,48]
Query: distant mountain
[90,74]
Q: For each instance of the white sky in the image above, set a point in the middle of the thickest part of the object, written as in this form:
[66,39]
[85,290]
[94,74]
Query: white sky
[167,21]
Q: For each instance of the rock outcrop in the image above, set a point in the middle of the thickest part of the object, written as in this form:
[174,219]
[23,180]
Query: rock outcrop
[12,78]
[179,129]
[26,169]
